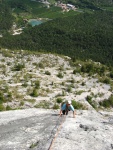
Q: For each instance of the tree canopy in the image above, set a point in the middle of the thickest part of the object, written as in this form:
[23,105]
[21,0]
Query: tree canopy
[84,36]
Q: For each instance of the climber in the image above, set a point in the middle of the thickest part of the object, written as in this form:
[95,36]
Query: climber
[67,107]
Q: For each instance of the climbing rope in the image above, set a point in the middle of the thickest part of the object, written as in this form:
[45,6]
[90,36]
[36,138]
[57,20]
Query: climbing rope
[53,140]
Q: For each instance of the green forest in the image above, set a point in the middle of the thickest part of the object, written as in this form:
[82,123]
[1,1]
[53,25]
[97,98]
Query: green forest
[6,18]
[82,36]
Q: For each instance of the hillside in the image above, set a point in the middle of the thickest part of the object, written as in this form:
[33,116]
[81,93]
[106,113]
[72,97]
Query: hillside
[84,36]
[68,57]
[37,80]
[83,33]
[32,88]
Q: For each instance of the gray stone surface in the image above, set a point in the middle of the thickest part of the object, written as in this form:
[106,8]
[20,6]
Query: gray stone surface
[88,131]
[32,131]
[40,129]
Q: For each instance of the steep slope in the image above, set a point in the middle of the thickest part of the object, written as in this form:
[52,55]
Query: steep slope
[46,80]
[29,80]
[83,36]
[39,129]
[89,130]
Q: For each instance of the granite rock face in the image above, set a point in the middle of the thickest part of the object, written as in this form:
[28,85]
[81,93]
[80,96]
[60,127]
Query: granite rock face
[40,129]
[27,129]
[90,130]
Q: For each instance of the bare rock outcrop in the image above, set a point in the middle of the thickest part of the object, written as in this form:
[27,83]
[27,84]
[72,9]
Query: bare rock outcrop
[41,129]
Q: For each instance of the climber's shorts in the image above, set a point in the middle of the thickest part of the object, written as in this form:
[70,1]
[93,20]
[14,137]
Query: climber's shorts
[65,112]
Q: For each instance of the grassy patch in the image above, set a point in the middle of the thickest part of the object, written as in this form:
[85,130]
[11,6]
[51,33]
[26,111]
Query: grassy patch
[33,145]
[69,89]
[105,80]
[78,105]
[47,73]
[43,104]
[60,75]
[59,100]
[34,93]
[2,108]
[21,103]
[18,67]
[31,100]
[91,102]
[55,106]
[107,103]
[37,84]
[79,92]
[8,107]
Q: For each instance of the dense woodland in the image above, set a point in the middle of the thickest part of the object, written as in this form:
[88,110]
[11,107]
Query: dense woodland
[83,36]
[6,18]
